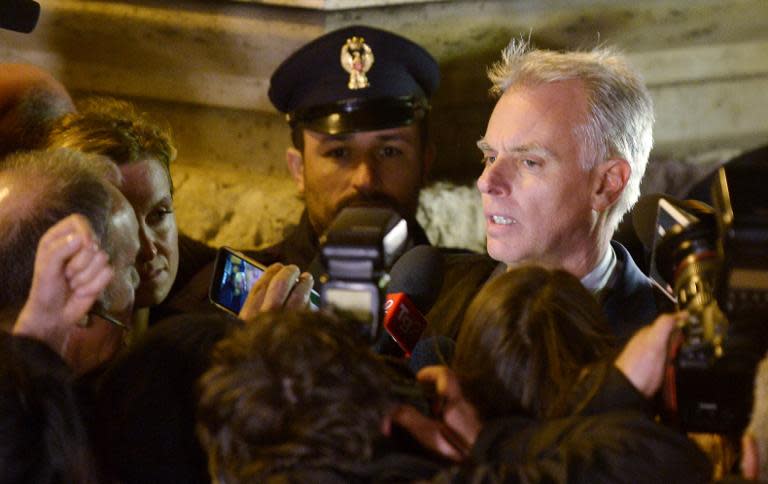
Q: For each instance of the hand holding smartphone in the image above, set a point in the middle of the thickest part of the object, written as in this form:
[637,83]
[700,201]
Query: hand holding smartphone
[233,277]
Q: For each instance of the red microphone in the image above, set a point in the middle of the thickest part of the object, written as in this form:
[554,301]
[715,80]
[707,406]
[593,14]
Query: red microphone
[403,321]
[416,279]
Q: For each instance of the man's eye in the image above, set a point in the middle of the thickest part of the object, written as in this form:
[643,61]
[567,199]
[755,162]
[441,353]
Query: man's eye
[336,153]
[391,151]
[488,159]
[530,163]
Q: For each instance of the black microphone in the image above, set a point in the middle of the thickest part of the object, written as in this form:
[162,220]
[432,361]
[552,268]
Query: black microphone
[415,282]
[19,15]
[436,350]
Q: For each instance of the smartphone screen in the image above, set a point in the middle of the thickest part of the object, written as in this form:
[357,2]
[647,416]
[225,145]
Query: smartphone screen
[232,279]
[234,276]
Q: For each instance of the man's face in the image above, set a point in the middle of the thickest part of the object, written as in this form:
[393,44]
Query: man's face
[122,247]
[385,167]
[536,198]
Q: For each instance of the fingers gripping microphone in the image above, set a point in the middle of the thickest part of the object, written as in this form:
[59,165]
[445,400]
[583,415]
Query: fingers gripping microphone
[416,279]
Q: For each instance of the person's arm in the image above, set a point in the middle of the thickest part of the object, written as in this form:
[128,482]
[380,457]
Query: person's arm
[643,359]
[631,380]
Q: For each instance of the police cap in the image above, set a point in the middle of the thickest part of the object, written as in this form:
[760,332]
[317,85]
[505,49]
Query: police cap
[356,78]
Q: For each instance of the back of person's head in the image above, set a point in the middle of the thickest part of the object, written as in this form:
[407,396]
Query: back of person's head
[526,336]
[42,437]
[30,100]
[115,129]
[291,391]
[40,188]
[146,402]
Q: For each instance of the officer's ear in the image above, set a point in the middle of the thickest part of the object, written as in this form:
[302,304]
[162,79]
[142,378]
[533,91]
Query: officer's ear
[750,460]
[608,181]
[295,162]
[430,152]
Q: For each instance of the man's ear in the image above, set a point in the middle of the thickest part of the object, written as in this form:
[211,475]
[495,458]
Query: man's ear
[610,179]
[750,461]
[295,162]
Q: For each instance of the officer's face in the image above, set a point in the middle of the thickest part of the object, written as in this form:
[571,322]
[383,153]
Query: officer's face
[384,167]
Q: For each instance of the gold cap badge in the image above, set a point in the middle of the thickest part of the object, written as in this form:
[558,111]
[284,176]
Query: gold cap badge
[357,59]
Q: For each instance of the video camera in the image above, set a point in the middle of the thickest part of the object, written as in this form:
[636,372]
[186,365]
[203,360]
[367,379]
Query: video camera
[358,249]
[714,262]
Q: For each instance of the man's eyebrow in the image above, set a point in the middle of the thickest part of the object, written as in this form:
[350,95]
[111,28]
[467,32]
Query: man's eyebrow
[483,145]
[534,149]
[391,137]
[328,138]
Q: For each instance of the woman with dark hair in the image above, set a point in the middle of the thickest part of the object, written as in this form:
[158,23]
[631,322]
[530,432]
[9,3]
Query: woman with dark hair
[526,338]
[527,397]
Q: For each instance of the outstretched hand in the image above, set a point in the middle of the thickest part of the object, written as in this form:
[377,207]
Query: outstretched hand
[644,357]
[70,272]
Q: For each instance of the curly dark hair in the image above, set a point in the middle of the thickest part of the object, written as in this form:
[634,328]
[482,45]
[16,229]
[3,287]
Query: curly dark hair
[291,390]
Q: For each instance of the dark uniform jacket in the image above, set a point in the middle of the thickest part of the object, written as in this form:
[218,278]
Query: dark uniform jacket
[300,247]
[629,300]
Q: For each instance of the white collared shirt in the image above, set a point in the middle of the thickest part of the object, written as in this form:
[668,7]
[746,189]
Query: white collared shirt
[599,277]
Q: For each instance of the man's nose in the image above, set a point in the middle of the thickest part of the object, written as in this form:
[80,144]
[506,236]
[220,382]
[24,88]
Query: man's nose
[492,181]
[364,176]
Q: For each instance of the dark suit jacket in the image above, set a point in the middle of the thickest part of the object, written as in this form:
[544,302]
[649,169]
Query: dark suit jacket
[629,301]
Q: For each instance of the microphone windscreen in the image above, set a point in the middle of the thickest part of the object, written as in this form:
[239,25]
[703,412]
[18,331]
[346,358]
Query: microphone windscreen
[437,350]
[19,15]
[419,274]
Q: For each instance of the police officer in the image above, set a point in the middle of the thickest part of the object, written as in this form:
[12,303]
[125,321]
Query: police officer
[356,100]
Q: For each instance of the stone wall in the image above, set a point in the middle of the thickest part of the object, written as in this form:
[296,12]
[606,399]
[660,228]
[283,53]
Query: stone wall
[204,66]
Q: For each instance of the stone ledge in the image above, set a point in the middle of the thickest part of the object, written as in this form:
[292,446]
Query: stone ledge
[338,4]
[222,53]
